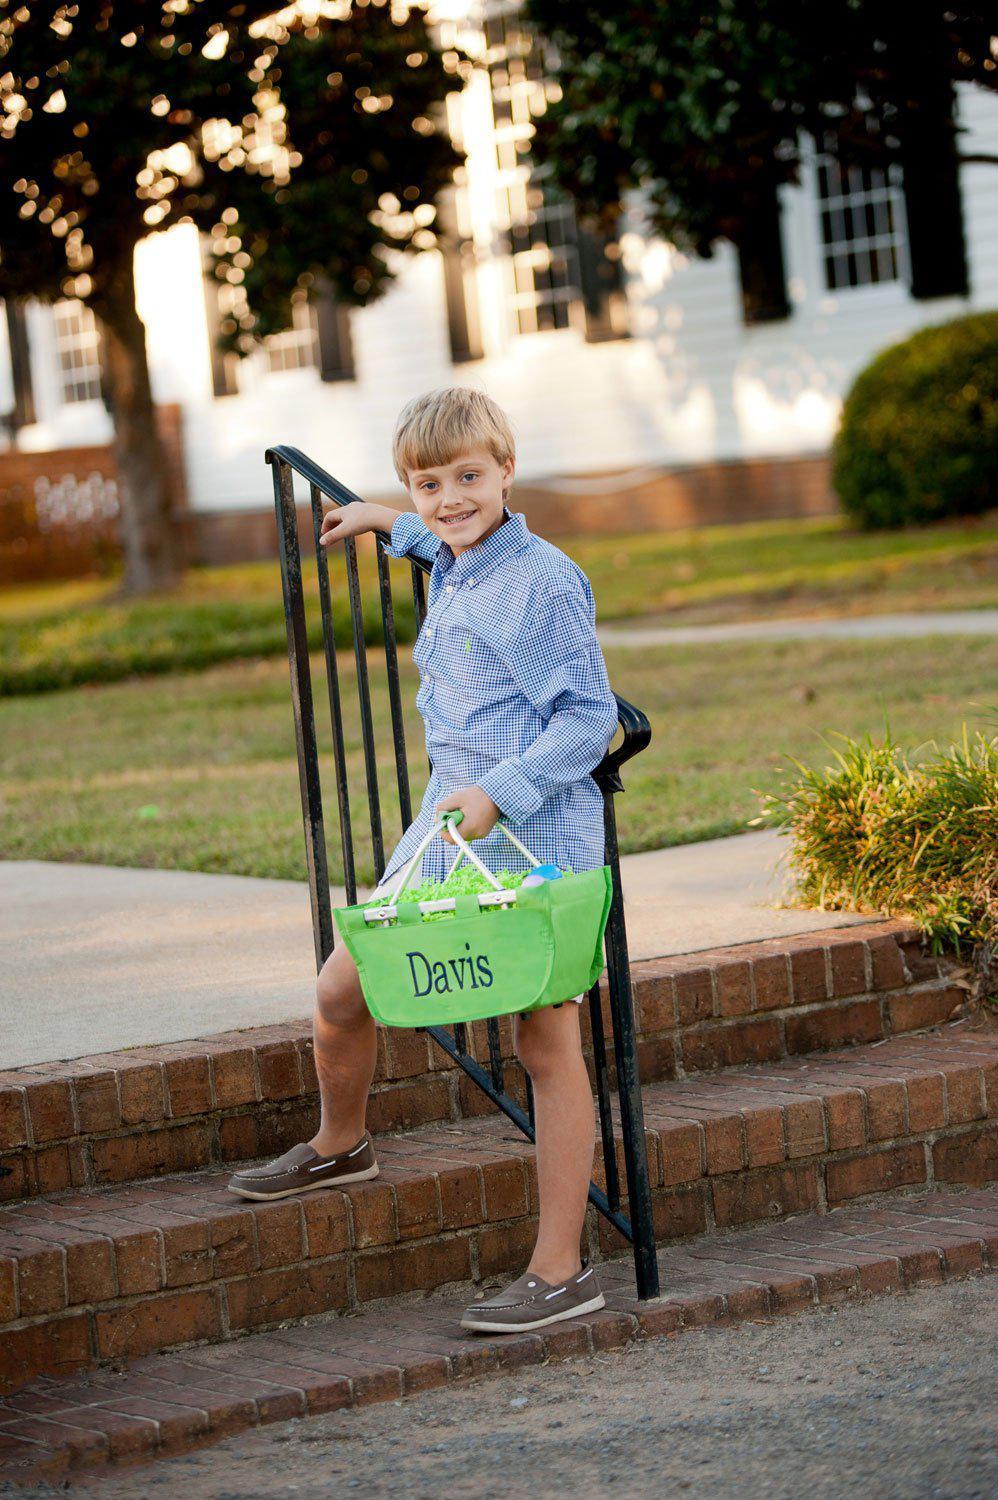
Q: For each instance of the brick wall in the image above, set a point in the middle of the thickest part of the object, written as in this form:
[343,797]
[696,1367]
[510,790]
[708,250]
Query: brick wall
[703,494]
[58,509]
[700,495]
[77,484]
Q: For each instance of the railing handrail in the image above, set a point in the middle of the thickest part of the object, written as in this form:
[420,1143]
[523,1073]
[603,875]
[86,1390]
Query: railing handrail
[313,472]
[634,723]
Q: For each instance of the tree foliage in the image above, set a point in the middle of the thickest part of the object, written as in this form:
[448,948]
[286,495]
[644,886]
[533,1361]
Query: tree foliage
[304,144]
[704,105]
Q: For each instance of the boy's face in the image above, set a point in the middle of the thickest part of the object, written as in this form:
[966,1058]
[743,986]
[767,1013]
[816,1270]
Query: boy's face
[469,489]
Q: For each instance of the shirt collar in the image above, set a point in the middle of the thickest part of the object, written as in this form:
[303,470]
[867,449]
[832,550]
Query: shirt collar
[477,560]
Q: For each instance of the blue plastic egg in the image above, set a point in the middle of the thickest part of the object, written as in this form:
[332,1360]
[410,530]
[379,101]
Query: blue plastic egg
[542,873]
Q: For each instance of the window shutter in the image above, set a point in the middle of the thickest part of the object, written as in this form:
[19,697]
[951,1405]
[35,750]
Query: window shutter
[457,258]
[336,361]
[602,286]
[23,411]
[462,321]
[760,263]
[937,251]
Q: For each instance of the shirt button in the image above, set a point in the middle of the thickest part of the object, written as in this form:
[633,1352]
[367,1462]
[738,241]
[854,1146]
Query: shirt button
[471,580]
[450,588]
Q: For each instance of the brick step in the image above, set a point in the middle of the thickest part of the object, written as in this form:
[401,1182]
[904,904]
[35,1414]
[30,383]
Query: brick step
[167,1404]
[126,1116]
[92,1277]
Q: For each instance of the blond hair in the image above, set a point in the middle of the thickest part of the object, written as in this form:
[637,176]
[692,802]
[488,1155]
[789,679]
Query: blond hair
[433,428]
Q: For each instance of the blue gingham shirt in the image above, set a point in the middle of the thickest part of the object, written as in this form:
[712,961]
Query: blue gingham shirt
[514,696]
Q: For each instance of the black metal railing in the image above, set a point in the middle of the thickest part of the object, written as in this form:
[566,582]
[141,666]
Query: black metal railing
[636,1225]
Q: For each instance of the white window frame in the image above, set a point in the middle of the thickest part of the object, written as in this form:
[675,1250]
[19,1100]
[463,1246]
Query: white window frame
[296,347]
[518,200]
[876,187]
[80,379]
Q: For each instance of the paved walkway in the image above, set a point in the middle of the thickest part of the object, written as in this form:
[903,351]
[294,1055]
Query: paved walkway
[96,958]
[861,627]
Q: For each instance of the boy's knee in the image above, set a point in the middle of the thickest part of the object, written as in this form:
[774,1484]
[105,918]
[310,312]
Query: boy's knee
[337,1006]
[534,1051]
[338,1001]
[547,1041]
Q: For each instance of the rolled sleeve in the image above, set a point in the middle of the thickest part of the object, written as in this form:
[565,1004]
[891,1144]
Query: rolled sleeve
[558,665]
[512,790]
[411,537]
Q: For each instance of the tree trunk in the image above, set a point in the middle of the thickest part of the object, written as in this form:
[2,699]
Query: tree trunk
[149,535]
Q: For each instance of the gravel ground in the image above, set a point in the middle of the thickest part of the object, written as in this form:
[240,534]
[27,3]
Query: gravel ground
[893,1397]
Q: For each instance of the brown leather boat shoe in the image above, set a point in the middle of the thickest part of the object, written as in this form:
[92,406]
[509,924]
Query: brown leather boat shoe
[301,1169]
[530,1302]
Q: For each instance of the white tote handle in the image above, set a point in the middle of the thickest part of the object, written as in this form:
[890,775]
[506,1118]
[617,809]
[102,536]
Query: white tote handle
[465,849]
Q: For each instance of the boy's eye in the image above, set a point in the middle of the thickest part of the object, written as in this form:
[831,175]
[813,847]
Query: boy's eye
[470,474]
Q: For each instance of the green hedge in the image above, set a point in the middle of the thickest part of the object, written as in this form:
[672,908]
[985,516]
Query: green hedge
[918,440]
[108,642]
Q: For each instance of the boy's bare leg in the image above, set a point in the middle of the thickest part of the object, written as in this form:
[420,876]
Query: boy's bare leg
[549,1044]
[346,1050]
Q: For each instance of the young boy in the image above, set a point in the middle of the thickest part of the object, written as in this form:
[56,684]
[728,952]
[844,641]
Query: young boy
[518,711]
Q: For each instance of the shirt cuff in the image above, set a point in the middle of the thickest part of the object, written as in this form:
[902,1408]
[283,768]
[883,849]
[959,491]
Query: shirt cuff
[408,529]
[512,791]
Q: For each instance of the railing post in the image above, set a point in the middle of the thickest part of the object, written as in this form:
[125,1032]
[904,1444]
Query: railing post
[304,713]
[632,1120]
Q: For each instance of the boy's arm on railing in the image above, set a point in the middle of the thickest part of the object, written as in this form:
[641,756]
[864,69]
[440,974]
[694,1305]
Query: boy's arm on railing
[411,537]
[408,535]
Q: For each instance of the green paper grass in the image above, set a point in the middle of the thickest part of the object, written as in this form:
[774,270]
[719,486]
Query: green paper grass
[464,882]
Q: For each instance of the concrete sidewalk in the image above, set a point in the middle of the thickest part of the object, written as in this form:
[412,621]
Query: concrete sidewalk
[96,958]
[856,627]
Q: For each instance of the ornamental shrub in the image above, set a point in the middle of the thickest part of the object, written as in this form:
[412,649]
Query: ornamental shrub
[880,831]
[918,440]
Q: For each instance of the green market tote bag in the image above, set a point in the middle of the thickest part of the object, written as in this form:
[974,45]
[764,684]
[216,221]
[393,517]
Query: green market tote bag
[500,952]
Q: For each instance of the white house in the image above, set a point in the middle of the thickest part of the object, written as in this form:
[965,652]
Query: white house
[630,371]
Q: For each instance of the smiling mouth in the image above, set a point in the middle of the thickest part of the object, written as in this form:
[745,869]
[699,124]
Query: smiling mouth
[456,520]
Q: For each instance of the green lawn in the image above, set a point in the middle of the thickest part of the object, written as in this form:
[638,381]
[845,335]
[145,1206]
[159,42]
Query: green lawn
[59,635]
[197,771]
[777,568]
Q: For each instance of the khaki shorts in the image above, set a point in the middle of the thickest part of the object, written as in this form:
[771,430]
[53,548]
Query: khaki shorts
[382,890]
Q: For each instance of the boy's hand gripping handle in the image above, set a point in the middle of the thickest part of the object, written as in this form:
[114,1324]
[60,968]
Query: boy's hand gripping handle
[453,816]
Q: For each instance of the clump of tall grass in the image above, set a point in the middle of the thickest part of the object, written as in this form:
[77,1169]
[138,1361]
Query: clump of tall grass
[879,831]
